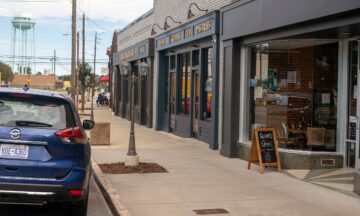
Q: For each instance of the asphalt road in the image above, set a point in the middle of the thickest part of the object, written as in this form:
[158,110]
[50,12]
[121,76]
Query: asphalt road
[96,207]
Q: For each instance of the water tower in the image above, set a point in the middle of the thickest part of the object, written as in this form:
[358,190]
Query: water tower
[23,43]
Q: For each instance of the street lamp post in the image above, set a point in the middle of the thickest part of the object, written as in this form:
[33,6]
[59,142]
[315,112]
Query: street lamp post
[132,159]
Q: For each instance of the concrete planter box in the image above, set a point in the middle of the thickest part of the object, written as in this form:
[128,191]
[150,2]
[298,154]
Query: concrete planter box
[100,134]
[357,182]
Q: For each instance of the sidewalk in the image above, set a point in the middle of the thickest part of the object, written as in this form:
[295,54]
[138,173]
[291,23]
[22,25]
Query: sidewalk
[200,178]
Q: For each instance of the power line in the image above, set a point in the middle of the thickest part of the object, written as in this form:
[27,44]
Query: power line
[32,1]
[90,19]
[42,57]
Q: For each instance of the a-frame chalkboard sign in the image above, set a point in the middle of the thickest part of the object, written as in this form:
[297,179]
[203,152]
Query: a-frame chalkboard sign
[264,149]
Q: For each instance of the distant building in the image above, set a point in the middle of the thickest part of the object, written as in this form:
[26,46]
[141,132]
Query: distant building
[35,81]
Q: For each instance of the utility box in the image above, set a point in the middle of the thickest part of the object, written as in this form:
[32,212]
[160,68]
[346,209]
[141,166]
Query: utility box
[100,134]
[357,182]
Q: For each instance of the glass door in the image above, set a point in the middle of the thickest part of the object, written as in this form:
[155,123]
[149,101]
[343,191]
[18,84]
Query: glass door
[357,165]
[172,99]
[196,103]
[352,135]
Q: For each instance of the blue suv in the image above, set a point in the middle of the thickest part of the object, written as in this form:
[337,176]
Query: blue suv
[44,150]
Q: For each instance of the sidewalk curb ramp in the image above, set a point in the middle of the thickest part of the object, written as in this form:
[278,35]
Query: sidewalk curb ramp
[109,193]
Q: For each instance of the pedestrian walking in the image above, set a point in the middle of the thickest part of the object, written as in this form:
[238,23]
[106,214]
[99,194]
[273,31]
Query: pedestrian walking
[26,87]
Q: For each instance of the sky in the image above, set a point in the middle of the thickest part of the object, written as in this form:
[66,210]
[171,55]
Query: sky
[53,27]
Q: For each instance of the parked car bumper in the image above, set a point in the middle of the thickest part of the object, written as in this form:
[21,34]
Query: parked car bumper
[29,190]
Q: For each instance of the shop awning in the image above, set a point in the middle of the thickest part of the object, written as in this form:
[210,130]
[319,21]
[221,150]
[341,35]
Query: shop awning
[105,78]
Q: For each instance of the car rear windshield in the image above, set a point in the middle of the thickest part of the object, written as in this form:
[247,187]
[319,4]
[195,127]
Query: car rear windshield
[24,110]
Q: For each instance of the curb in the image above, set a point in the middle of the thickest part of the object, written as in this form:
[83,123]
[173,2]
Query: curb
[109,193]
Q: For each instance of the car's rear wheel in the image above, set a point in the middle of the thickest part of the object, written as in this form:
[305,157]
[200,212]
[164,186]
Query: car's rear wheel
[79,208]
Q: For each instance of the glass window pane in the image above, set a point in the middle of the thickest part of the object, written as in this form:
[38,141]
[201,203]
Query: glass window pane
[172,62]
[184,84]
[166,104]
[207,85]
[196,55]
[293,88]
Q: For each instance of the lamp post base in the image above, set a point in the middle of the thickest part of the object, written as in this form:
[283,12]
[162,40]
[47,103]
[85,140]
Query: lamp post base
[131,160]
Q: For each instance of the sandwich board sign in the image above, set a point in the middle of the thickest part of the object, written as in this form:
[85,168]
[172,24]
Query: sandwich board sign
[264,149]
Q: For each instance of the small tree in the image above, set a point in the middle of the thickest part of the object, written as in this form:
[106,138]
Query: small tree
[28,70]
[39,73]
[84,71]
[6,72]
[65,77]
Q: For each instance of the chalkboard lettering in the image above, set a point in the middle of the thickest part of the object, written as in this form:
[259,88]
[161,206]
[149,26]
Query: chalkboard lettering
[266,141]
[264,149]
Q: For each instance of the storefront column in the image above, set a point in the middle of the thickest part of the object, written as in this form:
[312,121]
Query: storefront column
[117,91]
[161,93]
[230,99]
[149,93]
[215,102]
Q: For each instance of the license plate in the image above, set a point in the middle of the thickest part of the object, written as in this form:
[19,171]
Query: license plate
[14,151]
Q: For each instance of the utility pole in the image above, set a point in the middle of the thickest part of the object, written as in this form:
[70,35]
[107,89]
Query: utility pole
[55,63]
[54,69]
[77,70]
[73,50]
[93,81]
[83,64]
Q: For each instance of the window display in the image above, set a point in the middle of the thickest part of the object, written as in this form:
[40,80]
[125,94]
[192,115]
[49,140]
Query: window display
[293,88]
[184,84]
[207,86]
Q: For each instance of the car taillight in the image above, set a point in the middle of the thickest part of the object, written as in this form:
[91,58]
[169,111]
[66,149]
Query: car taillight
[71,134]
[21,95]
[76,192]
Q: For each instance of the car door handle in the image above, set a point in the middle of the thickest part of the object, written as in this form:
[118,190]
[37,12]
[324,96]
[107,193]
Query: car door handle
[12,169]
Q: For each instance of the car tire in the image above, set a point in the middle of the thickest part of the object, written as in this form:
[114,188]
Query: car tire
[79,208]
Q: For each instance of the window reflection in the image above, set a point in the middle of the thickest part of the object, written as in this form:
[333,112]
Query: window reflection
[207,84]
[293,88]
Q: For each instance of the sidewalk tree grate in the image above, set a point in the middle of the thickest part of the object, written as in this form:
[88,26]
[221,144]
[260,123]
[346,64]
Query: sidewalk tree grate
[210,211]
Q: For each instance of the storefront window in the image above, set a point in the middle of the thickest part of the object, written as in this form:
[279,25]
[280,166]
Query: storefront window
[135,71]
[196,57]
[293,88]
[184,84]
[172,62]
[352,105]
[166,104]
[207,84]
[125,89]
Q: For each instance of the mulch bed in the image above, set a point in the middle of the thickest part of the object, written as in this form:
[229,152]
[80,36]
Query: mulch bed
[120,168]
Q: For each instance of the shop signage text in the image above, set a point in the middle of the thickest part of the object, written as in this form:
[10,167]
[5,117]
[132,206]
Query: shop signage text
[128,54]
[176,37]
[194,31]
[188,32]
[203,27]
[162,42]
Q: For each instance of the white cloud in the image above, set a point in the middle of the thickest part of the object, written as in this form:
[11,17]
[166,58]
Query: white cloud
[109,10]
